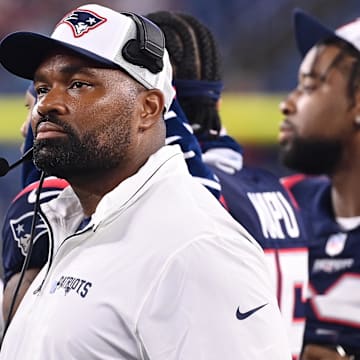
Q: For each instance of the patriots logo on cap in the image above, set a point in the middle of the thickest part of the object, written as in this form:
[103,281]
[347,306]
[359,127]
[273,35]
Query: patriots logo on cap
[21,230]
[82,21]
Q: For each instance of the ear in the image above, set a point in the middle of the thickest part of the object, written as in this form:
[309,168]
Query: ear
[218,104]
[152,107]
[357,109]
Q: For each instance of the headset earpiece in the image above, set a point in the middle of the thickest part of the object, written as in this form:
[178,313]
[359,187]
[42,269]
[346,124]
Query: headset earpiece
[147,49]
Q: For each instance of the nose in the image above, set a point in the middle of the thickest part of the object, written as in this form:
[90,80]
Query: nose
[52,102]
[287,106]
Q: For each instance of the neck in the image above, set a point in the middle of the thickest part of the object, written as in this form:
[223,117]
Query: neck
[344,193]
[91,188]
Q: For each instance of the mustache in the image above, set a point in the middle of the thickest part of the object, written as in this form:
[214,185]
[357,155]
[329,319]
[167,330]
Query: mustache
[286,124]
[52,118]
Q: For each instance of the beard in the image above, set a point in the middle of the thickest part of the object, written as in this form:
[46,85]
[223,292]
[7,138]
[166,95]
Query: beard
[311,156]
[103,148]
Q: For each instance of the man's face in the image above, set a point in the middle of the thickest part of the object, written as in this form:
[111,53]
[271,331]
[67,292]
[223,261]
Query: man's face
[319,117]
[29,104]
[84,118]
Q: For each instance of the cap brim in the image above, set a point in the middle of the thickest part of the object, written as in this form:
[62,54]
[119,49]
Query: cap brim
[308,31]
[21,53]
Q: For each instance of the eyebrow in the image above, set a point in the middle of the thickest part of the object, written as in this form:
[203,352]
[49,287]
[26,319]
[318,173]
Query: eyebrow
[69,70]
[311,74]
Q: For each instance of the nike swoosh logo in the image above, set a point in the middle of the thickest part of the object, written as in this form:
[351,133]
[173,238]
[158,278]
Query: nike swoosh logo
[242,316]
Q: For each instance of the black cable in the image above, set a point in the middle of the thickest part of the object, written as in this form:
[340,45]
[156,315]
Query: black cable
[28,255]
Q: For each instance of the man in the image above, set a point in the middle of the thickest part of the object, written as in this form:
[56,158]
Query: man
[16,232]
[147,263]
[253,196]
[320,135]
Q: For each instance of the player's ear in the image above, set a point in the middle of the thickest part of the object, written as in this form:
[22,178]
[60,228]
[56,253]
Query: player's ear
[357,120]
[354,108]
[152,107]
[218,104]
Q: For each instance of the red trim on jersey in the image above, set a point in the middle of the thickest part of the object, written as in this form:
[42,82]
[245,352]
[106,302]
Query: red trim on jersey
[48,183]
[288,182]
[278,277]
[223,202]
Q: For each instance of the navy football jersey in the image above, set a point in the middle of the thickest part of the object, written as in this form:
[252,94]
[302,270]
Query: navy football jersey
[17,228]
[179,132]
[333,307]
[257,200]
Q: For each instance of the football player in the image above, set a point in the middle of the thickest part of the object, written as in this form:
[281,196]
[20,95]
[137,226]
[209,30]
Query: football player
[320,135]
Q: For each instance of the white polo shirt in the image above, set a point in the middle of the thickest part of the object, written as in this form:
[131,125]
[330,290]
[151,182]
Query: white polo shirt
[161,272]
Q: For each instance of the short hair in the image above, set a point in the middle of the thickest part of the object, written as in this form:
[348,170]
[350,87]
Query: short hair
[194,56]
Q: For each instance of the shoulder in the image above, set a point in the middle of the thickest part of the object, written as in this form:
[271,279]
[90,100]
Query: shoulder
[17,226]
[22,206]
[303,187]
[305,182]
[248,184]
[24,201]
[50,185]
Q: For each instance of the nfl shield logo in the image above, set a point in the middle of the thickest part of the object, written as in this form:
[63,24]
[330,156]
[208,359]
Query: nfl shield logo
[335,244]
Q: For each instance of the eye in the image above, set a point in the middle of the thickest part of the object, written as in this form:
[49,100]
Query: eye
[308,86]
[78,85]
[41,90]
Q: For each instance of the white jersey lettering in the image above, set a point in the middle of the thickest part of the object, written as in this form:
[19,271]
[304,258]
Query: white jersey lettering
[275,214]
[334,305]
[288,269]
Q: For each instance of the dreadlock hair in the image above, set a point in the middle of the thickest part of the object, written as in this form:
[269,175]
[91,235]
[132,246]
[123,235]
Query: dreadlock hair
[194,56]
[347,49]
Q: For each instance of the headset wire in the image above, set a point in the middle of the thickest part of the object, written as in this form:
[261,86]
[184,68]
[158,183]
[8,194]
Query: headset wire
[28,255]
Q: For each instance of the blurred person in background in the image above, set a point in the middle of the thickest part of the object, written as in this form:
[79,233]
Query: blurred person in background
[29,99]
[16,229]
[320,135]
[253,196]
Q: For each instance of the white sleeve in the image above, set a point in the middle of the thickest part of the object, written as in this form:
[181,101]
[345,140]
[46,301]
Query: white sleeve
[209,303]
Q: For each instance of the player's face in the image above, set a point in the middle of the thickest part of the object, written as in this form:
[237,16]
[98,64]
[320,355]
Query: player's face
[84,118]
[29,104]
[319,117]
